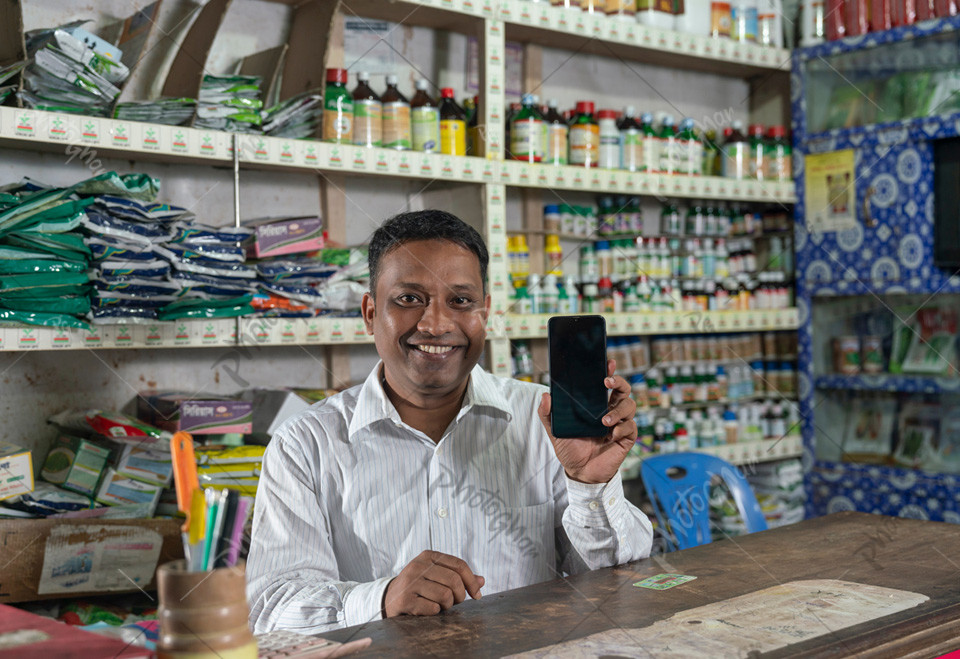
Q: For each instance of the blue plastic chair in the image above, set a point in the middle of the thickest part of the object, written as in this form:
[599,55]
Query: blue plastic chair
[679,488]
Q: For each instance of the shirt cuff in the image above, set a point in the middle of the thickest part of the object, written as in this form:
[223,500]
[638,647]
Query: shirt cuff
[364,602]
[596,503]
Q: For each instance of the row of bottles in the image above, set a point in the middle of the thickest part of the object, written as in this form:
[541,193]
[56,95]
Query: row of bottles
[612,140]
[749,21]
[715,426]
[555,295]
[364,118]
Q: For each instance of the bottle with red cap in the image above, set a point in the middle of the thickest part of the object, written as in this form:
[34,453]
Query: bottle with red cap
[453,125]
[777,155]
[584,136]
[337,108]
[609,152]
[756,167]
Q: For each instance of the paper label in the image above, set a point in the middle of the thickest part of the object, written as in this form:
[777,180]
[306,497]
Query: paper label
[98,557]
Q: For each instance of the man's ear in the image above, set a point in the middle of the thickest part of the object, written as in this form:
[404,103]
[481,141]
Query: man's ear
[368,311]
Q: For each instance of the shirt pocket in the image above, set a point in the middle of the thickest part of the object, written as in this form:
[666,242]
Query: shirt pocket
[525,543]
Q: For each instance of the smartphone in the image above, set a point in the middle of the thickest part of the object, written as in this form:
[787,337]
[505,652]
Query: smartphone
[578,367]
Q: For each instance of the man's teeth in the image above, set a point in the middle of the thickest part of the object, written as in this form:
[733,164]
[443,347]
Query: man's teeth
[435,350]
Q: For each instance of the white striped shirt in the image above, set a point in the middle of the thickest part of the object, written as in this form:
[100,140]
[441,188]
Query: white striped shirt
[349,495]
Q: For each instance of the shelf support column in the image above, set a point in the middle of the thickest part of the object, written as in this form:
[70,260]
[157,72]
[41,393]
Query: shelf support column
[492,82]
[498,345]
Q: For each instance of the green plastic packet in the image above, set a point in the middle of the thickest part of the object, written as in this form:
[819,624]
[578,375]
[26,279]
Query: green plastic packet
[42,280]
[60,217]
[45,293]
[28,266]
[30,205]
[137,186]
[75,305]
[13,252]
[9,316]
[68,246]
[228,308]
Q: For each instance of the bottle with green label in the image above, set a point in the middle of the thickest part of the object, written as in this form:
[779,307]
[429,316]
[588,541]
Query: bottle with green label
[526,131]
[425,118]
[631,141]
[651,145]
[691,149]
[667,138]
[367,113]
[337,108]
[710,153]
[396,117]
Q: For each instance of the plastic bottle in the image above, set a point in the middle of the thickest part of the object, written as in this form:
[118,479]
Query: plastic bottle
[735,153]
[523,257]
[425,120]
[621,9]
[710,154]
[757,168]
[535,291]
[770,23]
[690,149]
[396,117]
[670,221]
[453,125]
[720,19]
[549,295]
[744,20]
[337,109]
[731,427]
[695,224]
[367,113]
[556,129]
[609,151]
[631,141]
[524,305]
[554,254]
[589,266]
[590,302]
[526,132]
[604,258]
[522,359]
[572,296]
[669,160]
[778,156]
[584,137]
[475,146]
[651,144]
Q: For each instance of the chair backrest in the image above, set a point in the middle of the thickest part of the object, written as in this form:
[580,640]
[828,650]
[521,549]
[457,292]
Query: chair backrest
[679,488]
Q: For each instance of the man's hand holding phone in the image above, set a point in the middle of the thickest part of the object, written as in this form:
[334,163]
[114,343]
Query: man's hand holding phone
[597,459]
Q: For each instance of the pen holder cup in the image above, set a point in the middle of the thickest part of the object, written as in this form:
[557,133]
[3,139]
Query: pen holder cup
[203,614]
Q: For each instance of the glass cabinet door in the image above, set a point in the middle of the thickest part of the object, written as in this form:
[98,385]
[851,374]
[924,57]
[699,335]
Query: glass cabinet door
[886,380]
[889,82]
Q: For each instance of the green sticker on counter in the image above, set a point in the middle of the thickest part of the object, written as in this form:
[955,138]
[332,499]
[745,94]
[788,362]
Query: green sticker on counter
[664,581]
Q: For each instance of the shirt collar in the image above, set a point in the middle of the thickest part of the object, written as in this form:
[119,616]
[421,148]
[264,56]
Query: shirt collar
[373,404]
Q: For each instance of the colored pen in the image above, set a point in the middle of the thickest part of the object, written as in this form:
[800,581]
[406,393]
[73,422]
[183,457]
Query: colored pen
[198,519]
[209,537]
[243,508]
[231,498]
[214,532]
[185,481]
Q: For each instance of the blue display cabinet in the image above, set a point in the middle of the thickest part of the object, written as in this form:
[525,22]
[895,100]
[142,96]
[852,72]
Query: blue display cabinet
[878,364]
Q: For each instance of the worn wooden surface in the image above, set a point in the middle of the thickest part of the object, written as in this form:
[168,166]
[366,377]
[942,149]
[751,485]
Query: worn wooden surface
[922,557]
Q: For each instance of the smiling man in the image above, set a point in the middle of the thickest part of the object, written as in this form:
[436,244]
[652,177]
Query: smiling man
[433,480]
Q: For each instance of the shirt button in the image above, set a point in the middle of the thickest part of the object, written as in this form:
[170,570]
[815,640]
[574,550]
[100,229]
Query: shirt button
[594,505]
[439,450]
[611,501]
[441,512]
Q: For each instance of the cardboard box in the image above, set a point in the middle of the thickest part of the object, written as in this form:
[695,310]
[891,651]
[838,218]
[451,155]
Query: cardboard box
[207,416]
[272,237]
[75,464]
[66,558]
[16,471]
[121,490]
[271,407]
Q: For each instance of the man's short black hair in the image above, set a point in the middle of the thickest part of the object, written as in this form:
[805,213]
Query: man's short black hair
[424,225]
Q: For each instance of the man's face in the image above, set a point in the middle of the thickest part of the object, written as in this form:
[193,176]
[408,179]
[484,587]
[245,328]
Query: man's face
[429,317]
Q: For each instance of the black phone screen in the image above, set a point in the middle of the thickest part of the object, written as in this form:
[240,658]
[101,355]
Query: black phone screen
[578,366]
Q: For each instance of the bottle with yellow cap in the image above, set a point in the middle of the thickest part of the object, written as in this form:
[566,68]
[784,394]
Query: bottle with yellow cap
[554,254]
